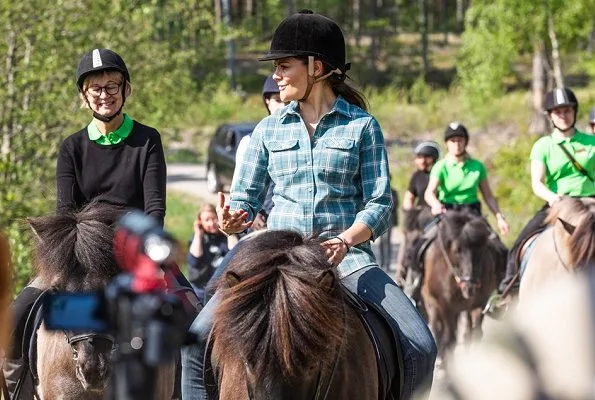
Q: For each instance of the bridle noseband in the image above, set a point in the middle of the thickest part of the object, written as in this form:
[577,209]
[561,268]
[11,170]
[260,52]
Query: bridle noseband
[72,339]
[458,279]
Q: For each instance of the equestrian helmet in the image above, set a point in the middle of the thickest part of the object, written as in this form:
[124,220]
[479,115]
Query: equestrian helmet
[456,129]
[560,98]
[308,34]
[428,148]
[270,87]
[98,60]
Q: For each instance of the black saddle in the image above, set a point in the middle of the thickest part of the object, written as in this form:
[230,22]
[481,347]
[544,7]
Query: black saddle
[389,356]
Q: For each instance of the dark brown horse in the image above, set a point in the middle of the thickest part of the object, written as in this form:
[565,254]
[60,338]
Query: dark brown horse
[282,329]
[75,253]
[568,245]
[460,274]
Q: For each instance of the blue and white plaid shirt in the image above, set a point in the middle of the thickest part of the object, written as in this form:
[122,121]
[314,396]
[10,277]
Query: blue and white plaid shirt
[323,184]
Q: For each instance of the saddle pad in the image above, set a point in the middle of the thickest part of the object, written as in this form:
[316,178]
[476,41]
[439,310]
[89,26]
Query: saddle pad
[529,245]
[386,345]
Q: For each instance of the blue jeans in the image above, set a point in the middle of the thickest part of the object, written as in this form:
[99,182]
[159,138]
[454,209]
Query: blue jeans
[417,343]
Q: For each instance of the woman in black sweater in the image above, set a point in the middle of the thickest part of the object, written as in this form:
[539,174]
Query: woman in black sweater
[114,159]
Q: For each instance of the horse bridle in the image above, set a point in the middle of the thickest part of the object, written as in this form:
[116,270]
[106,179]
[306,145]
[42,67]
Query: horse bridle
[73,339]
[319,389]
[558,254]
[449,264]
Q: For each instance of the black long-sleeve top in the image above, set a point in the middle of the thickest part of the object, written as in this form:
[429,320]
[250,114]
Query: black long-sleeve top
[130,174]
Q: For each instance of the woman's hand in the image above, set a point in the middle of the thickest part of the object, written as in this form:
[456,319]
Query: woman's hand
[502,224]
[553,199]
[438,209]
[336,250]
[231,222]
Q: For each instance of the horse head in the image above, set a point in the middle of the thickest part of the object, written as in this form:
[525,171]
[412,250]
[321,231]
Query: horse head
[74,252]
[280,311]
[465,237]
[573,220]
[92,354]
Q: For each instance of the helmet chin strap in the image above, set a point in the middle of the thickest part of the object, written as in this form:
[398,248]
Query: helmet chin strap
[312,79]
[564,130]
[109,118]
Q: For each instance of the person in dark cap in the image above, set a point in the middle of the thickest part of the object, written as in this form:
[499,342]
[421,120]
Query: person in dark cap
[326,156]
[114,159]
[455,184]
[415,209]
[457,179]
[562,164]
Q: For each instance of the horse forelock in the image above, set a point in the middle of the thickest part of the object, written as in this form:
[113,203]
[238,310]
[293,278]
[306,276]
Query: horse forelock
[278,318]
[74,251]
[579,245]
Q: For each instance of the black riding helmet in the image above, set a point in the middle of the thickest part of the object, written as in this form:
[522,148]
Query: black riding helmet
[455,129]
[561,98]
[428,148]
[269,88]
[308,34]
[99,60]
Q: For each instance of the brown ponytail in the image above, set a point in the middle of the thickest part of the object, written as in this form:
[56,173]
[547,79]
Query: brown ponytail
[353,96]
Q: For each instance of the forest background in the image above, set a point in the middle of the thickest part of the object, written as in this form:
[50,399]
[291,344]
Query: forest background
[422,64]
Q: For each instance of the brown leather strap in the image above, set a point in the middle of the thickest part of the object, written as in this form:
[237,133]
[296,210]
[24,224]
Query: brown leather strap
[576,164]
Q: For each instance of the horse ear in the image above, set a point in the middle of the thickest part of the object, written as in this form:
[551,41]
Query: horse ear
[326,280]
[568,227]
[232,278]
[33,225]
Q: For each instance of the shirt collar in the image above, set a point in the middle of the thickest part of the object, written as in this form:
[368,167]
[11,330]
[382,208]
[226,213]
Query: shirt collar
[559,138]
[449,161]
[341,106]
[122,132]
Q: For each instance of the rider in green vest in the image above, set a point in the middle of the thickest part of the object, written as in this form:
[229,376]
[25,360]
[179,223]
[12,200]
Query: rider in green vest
[454,185]
[553,174]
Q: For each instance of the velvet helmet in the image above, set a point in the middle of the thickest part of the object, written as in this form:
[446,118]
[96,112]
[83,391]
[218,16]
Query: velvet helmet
[307,34]
[102,60]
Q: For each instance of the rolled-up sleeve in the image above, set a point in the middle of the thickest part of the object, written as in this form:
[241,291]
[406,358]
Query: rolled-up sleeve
[249,189]
[374,172]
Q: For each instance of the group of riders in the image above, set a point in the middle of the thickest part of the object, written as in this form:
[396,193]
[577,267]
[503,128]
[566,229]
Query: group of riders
[323,157]
[562,164]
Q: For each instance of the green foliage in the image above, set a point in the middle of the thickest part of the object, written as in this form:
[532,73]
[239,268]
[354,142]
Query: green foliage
[165,45]
[513,186]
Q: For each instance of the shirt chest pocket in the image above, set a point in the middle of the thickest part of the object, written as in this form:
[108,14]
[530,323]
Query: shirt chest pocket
[283,157]
[339,155]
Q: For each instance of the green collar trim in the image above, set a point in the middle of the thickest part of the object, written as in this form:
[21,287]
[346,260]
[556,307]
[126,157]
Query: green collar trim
[114,137]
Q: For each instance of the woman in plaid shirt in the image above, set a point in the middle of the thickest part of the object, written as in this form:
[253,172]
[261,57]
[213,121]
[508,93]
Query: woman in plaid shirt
[326,156]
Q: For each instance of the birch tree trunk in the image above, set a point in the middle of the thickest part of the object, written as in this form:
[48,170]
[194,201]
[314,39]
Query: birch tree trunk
[423,31]
[539,122]
[556,63]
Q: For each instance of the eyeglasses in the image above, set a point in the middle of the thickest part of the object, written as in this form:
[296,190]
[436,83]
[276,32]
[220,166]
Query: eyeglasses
[111,89]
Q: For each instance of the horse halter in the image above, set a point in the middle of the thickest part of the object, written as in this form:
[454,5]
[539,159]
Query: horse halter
[458,279]
[73,339]
[557,250]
